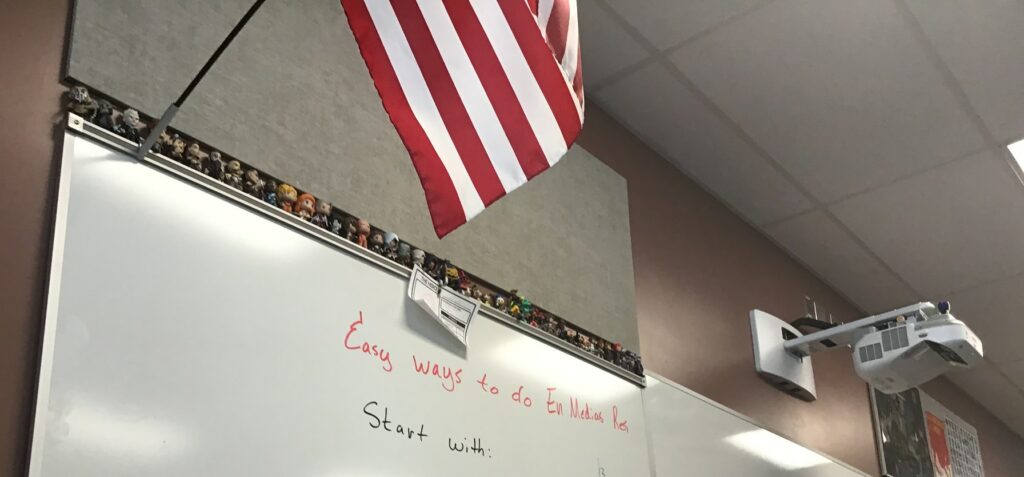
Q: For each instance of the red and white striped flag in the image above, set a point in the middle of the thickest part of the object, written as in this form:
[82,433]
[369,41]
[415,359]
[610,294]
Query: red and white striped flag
[485,94]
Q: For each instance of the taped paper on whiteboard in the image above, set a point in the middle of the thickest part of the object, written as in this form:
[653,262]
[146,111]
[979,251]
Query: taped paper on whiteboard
[425,291]
[452,310]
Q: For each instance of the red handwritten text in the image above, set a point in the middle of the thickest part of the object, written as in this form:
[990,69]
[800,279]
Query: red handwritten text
[367,348]
[522,399]
[619,426]
[486,387]
[586,413]
[554,407]
[449,377]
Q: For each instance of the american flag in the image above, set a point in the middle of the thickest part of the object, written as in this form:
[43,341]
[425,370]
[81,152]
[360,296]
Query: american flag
[485,94]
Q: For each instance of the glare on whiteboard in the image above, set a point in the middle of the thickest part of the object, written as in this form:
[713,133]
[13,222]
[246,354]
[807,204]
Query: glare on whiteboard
[776,450]
[202,212]
[122,435]
[534,358]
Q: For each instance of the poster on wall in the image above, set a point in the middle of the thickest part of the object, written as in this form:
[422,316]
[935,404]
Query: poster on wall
[963,452]
[938,446]
[917,436]
[901,435]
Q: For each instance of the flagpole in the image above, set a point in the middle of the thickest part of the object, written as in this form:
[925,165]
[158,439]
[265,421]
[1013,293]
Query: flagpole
[165,119]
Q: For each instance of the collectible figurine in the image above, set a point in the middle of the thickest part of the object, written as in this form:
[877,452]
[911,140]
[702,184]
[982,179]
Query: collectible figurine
[436,268]
[513,309]
[418,257]
[131,126]
[362,233]
[548,324]
[251,184]
[377,243]
[617,354]
[631,361]
[430,265]
[391,243]
[286,197]
[500,303]
[162,144]
[270,192]
[609,353]
[525,305]
[404,255]
[233,174]
[488,299]
[305,206]
[351,230]
[81,103]
[336,226]
[562,332]
[194,157]
[215,166]
[177,151]
[465,286]
[513,296]
[518,306]
[104,115]
[476,292]
[322,218]
[451,276]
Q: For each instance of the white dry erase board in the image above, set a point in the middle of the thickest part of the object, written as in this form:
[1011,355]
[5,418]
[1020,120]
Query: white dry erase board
[186,335]
[689,432]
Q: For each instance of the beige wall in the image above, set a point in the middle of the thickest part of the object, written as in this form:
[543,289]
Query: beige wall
[700,269]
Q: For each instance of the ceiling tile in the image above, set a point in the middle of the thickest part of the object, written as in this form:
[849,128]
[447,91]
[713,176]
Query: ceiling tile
[839,92]
[980,41]
[607,48]
[993,312]
[678,126]
[1015,371]
[948,229]
[668,23]
[822,245]
[990,388]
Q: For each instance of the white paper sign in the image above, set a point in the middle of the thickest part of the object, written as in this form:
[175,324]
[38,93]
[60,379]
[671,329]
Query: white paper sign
[453,310]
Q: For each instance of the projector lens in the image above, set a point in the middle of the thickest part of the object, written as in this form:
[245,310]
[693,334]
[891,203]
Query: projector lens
[947,354]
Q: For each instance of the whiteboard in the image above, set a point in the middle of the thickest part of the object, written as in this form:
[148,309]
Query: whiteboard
[689,432]
[187,336]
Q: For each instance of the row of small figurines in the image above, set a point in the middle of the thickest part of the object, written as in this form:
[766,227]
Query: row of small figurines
[359,231]
[524,311]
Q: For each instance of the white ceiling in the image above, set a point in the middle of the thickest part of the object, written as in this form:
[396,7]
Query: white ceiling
[867,138]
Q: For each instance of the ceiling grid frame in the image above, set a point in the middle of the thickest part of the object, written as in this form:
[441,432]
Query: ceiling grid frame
[660,57]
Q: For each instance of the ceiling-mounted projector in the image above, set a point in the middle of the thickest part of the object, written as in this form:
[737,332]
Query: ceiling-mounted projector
[893,351]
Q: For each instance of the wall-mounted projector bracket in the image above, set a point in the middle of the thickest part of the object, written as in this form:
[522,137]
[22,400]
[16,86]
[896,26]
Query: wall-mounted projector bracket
[786,371]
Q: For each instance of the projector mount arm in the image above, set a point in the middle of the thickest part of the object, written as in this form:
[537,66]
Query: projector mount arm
[848,333]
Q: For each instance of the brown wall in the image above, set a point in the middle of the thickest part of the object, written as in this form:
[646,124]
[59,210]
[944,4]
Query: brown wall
[31,43]
[698,270]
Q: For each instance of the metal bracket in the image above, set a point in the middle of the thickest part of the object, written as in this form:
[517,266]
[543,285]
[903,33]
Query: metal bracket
[154,133]
[786,371]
